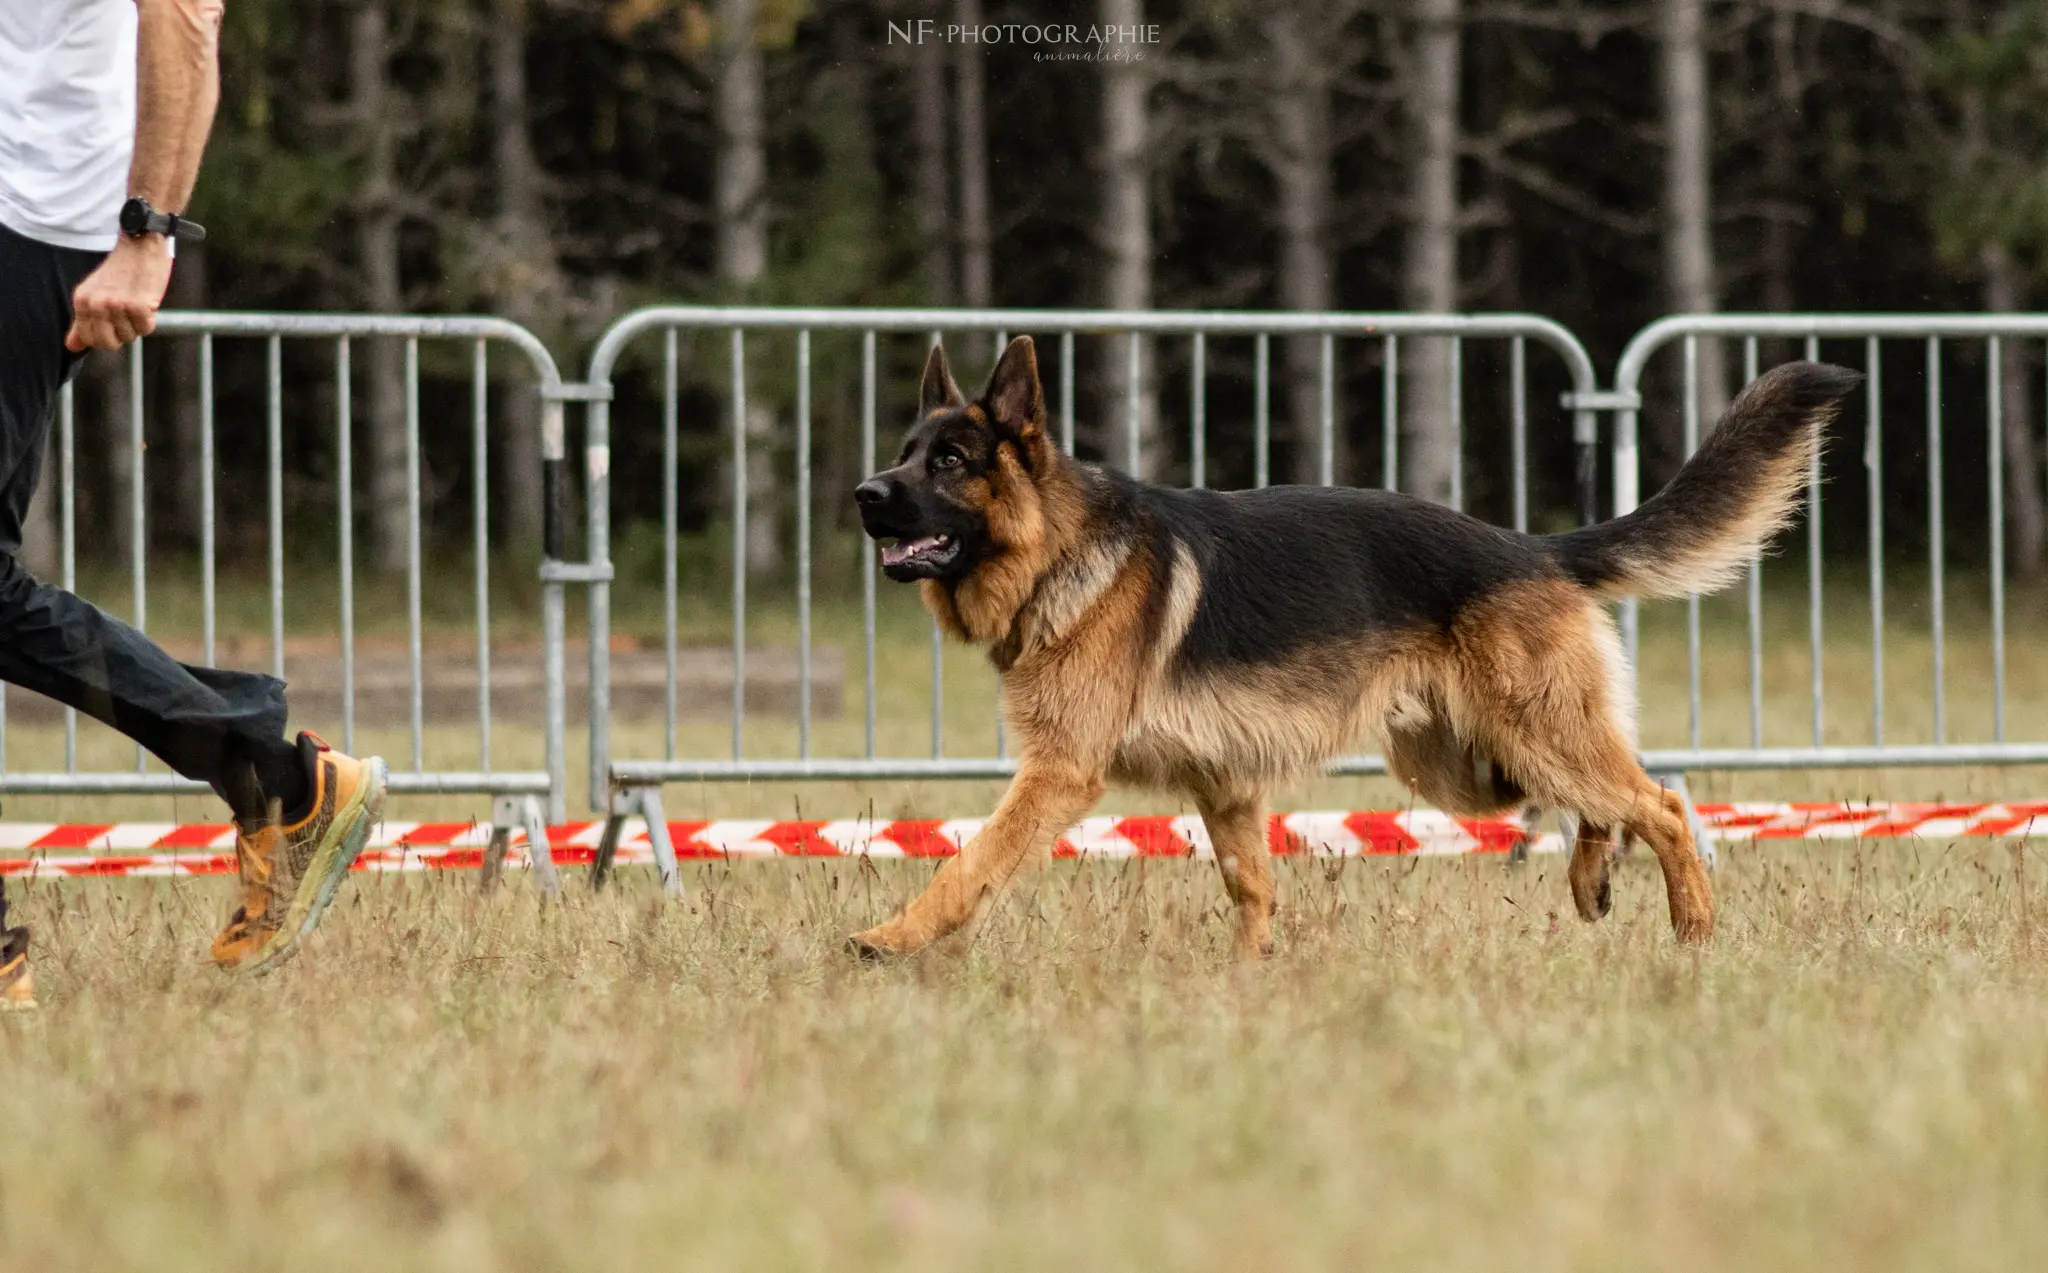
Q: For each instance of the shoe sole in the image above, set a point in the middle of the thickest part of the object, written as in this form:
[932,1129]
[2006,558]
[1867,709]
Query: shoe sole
[329,867]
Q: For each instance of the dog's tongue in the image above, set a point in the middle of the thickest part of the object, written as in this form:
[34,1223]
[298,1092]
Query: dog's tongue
[904,549]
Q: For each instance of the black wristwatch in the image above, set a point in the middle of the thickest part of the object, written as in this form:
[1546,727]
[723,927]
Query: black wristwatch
[138,218]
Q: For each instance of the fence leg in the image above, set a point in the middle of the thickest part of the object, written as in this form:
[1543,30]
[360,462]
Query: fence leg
[504,816]
[657,835]
[608,844]
[1531,815]
[540,851]
[1701,844]
[644,803]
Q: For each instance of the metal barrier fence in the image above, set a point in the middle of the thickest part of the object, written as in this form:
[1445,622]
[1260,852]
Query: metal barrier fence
[522,798]
[1208,341]
[1857,340]
[632,785]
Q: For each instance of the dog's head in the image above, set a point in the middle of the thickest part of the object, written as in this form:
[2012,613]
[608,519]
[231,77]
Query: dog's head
[954,497]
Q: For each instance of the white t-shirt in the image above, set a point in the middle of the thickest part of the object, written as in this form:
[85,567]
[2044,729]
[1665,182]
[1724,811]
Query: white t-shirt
[67,119]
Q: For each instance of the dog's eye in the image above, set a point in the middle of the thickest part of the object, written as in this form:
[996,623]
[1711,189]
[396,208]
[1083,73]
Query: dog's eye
[946,458]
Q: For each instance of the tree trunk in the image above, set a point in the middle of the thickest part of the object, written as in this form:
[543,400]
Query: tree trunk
[970,72]
[1688,207]
[2004,293]
[740,193]
[1780,175]
[934,188]
[1302,171]
[527,277]
[377,226]
[1430,270]
[1127,236]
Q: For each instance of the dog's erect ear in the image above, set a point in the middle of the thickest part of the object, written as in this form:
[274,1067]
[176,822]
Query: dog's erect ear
[1014,398]
[939,393]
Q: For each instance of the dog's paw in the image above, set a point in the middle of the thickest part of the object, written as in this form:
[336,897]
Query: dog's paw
[872,947]
[1694,928]
[1594,898]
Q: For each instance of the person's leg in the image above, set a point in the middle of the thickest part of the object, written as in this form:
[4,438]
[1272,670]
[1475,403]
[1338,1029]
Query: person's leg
[303,812]
[206,724]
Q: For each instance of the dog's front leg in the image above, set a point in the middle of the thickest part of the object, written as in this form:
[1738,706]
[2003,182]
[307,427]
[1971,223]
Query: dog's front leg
[1045,799]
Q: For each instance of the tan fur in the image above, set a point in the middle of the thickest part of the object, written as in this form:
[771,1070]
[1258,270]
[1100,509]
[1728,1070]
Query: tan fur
[1770,500]
[1526,693]
[1720,560]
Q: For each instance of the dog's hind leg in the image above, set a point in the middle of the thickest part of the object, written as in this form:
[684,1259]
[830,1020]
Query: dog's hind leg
[1237,831]
[1043,800]
[1591,848]
[1658,817]
[1552,710]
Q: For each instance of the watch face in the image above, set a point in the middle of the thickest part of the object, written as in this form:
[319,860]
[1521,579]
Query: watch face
[134,217]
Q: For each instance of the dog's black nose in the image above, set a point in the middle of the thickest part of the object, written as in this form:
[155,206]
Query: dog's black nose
[872,491]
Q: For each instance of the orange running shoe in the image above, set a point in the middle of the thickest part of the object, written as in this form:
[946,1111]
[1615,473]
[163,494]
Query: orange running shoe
[290,873]
[17,983]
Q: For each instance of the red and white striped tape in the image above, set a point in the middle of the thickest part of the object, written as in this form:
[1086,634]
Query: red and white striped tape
[163,848]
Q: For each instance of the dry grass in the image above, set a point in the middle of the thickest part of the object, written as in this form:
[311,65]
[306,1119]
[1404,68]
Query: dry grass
[1440,1068]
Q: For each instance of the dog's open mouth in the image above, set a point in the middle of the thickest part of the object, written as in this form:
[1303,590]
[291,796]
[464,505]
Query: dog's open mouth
[924,550]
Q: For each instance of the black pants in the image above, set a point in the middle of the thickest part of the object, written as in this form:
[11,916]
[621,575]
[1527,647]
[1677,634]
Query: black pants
[197,720]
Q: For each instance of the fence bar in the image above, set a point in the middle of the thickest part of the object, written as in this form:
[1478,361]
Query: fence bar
[1692,603]
[1934,536]
[1813,569]
[1457,388]
[1518,425]
[1002,744]
[938,691]
[739,540]
[670,427]
[414,637]
[803,542]
[1755,596]
[1262,411]
[1134,407]
[939,664]
[1390,413]
[67,517]
[1873,468]
[480,508]
[499,782]
[1136,448]
[650,772]
[138,512]
[273,446]
[1066,391]
[868,550]
[1198,414]
[268,458]
[1994,461]
[1326,460]
[344,478]
[207,592]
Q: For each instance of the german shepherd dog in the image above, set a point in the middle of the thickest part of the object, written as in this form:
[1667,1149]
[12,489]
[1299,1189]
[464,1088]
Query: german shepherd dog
[1221,643]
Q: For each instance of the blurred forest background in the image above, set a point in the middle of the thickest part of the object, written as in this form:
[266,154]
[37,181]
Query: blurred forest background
[1602,162]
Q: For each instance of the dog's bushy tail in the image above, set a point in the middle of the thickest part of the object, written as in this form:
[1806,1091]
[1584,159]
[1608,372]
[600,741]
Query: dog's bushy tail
[1741,487]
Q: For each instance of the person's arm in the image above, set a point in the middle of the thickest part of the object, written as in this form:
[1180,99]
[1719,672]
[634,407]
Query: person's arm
[177,84]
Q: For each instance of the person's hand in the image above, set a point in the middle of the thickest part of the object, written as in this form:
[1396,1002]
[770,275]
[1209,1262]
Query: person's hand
[117,302]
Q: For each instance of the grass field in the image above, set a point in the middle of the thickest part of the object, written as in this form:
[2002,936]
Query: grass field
[1441,1068]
